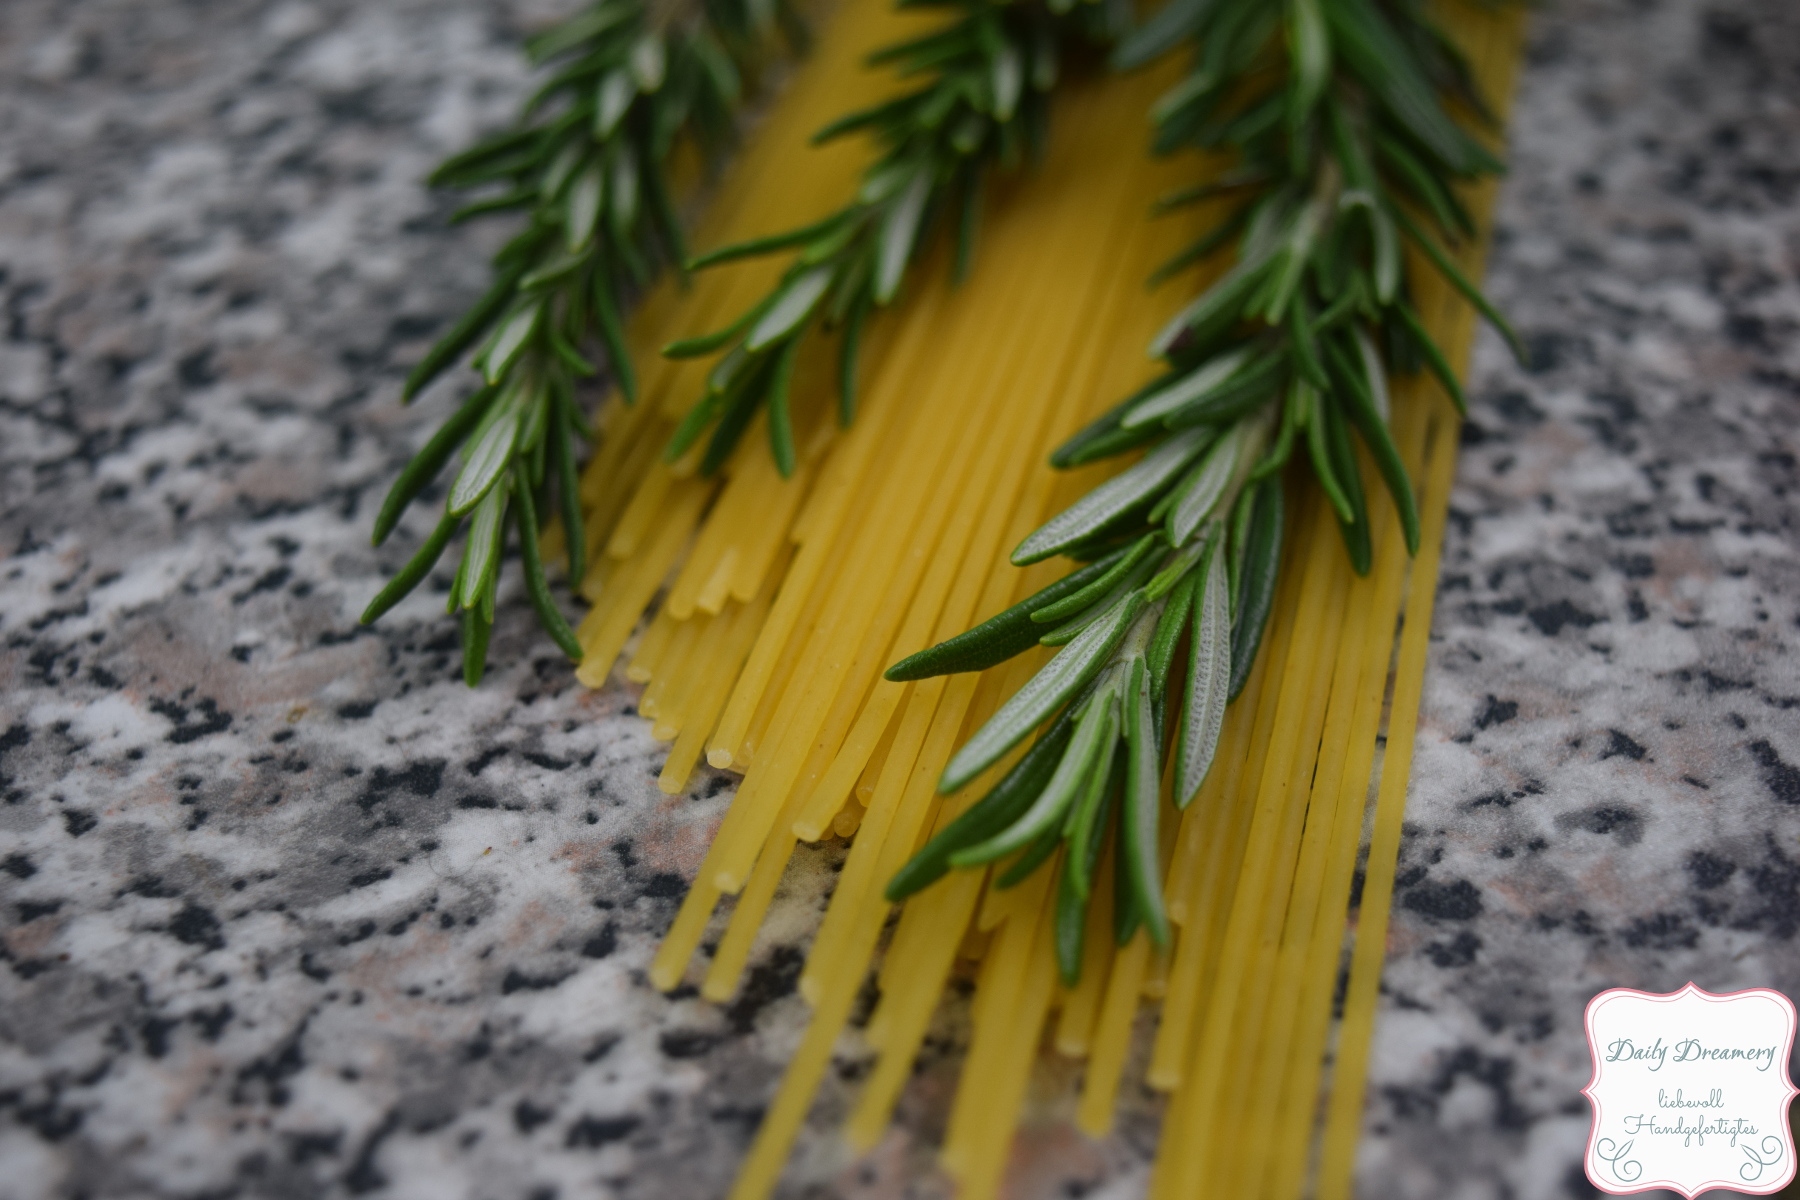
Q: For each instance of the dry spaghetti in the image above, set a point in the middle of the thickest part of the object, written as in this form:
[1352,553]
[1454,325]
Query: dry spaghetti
[783,600]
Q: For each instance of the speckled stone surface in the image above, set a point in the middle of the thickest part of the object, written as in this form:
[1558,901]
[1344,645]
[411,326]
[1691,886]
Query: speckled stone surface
[288,912]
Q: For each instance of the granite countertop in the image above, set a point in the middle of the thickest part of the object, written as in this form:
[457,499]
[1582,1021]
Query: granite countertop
[286,911]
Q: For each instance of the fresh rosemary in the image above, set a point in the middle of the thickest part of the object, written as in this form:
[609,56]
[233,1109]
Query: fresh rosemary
[1337,114]
[985,104]
[588,164]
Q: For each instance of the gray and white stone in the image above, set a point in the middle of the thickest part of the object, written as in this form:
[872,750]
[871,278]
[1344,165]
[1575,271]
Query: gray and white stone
[286,911]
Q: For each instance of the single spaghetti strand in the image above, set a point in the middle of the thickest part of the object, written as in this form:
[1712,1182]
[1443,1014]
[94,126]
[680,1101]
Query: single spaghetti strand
[643,664]
[687,634]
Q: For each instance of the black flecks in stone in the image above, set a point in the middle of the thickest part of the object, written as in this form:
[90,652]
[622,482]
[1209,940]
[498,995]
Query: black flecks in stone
[78,821]
[365,878]
[1622,745]
[364,1176]
[196,370]
[210,720]
[151,887]
[517,981]
[593,1132]
[196,926]
[30,910]
[272,580]
[687,1043]
[1548,349]
[622,848]
[1581,921]
[1635,608]
[422,778]
[601,1048]
[664,885]
[715,785]
[211,1022]
[1550,619]
[1780,777]
[485,759]
[1605,819]
[363,932]
[528,1116]
[603,942]
[49,1119]
[18,866]
[1709,870]
[357,711]
[1662,931]
[546,761]
[155,1033]
[1635,566]
[1455,901]
[1737,721]
[1775,883]
[1719,683]
[477,802]
[313,970]
[1496,712]
[270,1072]
[16,735]
[768,982]
[1577,1186]
[545,1192]
[1515,408]
[305,1146]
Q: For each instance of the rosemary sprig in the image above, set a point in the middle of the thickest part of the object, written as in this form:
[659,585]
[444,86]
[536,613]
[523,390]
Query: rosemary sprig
[984,105]
[588,167]
[1338,115]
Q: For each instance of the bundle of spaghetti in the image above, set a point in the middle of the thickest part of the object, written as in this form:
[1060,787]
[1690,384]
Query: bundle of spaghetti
[782,600]
[1027,352]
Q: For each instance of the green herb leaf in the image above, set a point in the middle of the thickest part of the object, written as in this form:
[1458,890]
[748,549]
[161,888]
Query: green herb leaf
[1117,496]
[1138,857]
[1043,694]
[1209,680]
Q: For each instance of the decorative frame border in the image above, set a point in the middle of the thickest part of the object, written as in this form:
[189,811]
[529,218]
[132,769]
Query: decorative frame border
[1690,988]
